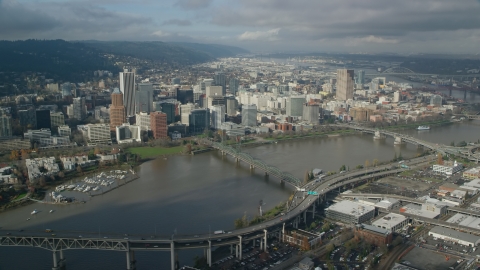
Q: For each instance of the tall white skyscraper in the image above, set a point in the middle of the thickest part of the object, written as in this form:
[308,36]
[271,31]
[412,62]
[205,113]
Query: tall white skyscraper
[217,115]
[127,87]
[345,83]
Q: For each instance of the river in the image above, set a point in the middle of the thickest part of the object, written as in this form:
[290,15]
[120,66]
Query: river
[195,194]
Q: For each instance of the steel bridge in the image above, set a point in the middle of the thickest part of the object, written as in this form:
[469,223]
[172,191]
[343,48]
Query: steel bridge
[256,163]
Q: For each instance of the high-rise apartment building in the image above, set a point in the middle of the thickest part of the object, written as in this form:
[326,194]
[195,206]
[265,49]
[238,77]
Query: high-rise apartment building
[77,109]
[184,95]
[127,133]
[217,116]
[5,126]
[158,124]
[127,87]
[144,98]
[117,110]
[249,115]
[345,81]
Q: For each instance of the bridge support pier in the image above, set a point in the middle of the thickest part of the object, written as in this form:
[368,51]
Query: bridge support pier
[398,141]
[305,216]
[252,167]
[265,239]
[209,254]
[283,232]
[239,248]
[172,255]
[62,261]
[237,160]
[266,173]
[55,261]
[313,211]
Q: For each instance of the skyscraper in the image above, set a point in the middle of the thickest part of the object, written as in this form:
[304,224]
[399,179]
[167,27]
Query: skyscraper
[43,119]
[169,110]
[218,116]
[5,126]
[233,85]
[361,77]
[77,110]
[249,115]
[158,124]
[184,95]
[295,105]
[311,113]
[127,87]
[221,80]
[66,89]
[345,82]
[117,110]
[144,98]
[199,120]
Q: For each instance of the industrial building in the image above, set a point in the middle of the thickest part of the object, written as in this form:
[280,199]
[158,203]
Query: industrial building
[391,222]
[429,209]
[373,235]
[350,212]
[471,174]
[461,238]
[447,168]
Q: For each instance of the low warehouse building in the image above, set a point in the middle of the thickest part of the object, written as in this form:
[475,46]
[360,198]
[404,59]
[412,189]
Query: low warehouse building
[350,212]
[391,222]
[454,236]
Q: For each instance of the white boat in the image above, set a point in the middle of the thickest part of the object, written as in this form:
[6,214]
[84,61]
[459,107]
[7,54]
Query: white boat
[423,128]
[34,212]
[96,188]
[51,211]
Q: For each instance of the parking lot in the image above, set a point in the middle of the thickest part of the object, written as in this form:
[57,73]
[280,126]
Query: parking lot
[254,258]
[426,259]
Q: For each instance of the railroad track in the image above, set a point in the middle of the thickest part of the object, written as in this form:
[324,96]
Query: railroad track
[387,264]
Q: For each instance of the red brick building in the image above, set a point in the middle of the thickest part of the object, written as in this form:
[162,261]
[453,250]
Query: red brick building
[158,124]
[373,235]
[117,110]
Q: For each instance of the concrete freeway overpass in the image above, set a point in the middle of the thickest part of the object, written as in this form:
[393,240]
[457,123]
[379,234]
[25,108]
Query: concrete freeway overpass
[70,240]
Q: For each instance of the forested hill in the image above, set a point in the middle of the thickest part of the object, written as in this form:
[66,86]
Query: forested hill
[77,60]
[56,58]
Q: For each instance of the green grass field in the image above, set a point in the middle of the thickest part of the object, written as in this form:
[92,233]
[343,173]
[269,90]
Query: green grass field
[149,152]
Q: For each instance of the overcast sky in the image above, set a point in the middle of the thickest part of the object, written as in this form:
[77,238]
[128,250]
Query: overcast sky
[403,26]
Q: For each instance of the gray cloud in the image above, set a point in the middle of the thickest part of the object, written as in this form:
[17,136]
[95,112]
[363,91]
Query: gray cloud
[193,4]
[68,20]
[177,22]
[370,20]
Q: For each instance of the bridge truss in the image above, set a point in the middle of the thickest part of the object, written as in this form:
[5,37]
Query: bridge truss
[247,158]
[54,244]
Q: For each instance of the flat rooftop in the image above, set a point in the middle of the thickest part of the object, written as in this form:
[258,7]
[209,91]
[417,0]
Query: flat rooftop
[389,221]
[351,208]
[455,234]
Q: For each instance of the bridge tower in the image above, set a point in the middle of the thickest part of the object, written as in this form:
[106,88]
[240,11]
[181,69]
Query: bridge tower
[398,140]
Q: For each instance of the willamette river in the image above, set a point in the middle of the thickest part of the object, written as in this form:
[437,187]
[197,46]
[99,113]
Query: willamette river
[195,194]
